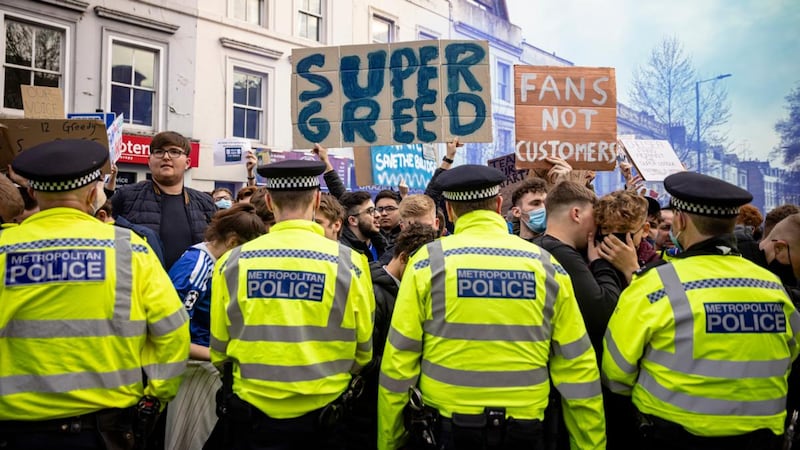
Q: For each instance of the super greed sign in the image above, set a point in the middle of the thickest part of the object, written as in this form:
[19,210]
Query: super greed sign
[389,94]
[136,150]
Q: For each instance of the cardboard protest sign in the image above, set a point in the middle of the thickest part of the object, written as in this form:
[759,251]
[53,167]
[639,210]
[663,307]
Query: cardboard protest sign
[508,165]
[22,134]
[568,113]
[39,102]
[230,152]
[653,159]
[391,94]
[114,132]
[362,159]
[392,163]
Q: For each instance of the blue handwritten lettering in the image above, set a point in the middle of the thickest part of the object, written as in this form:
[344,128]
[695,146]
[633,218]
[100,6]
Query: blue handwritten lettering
[363,125]
[462,129]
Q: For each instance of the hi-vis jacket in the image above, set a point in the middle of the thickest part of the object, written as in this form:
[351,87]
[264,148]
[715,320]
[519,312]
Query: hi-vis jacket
[705,341]
[84,307]
[293,311]
[479,318]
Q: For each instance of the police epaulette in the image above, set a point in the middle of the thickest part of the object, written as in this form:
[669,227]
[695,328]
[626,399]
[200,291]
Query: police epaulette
[648,266]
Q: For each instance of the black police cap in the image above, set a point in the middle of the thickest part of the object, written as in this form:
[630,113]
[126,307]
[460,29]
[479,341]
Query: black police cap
[292,174]
[703,195]
[62,165]
[470,182]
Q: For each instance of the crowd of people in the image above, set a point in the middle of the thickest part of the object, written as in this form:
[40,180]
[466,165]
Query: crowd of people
[282,317]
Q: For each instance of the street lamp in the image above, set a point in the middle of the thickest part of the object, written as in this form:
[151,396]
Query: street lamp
[697,113]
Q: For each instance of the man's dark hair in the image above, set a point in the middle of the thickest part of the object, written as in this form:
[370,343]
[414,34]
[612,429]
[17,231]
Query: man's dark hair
[533,185]
[388,193]
[166,138]
[259,201]
[412,238]
[351,201]
[779,213]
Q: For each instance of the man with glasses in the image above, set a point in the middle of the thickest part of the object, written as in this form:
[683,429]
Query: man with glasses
[165,199]
[387,204]
[361,230]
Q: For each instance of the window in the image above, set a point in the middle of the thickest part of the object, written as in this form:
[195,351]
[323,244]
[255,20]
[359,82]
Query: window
[251,11]
[503,81]
[133,82]
[504,142]
[248,104]
[310,19]
[382,30]
[34,57]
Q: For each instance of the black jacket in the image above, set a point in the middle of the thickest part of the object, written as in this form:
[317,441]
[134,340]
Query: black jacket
[350,240]
[334,183]
[140,203]
[597,286]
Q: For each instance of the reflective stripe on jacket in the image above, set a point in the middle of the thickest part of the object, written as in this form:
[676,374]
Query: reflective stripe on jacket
[85,307]
[294,311]
[479,318]
[705,342]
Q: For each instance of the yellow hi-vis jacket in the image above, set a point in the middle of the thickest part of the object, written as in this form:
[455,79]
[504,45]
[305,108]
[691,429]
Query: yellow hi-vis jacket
[705,342]
[293,311]
[480,317]
[84,307]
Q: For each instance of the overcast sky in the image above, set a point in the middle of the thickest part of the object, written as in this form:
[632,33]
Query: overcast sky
[758,41]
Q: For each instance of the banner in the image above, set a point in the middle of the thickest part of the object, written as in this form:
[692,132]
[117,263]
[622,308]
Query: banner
[568,113]
[342,165]
[392,163]
[508,165]
[653,159]
[231,152]
[388,94]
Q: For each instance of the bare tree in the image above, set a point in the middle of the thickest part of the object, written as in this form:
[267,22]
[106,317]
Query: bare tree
[664,88]
[789,131]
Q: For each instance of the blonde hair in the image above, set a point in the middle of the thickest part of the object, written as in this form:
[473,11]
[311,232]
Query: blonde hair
[418,205]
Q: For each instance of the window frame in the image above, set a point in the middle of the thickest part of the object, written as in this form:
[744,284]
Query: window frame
[507,85]
[510,142]
[160,50]
[322,24]
[66,57]
[389,21]
[266,124]
[262,14]
[426,34]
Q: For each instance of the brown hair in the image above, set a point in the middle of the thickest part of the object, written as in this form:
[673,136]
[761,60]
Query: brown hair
[11,202]
[292,200]
[259,201]
[246,191]
[222,189]
[417,205]
[533,185]
[412,238]
[330,208]
[749,216]
[166,138]
[239,220]
[787,229]
[568,193]
[778,214]
[622,211]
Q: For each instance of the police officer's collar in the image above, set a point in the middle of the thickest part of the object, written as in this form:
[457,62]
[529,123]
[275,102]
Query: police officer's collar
[724,245]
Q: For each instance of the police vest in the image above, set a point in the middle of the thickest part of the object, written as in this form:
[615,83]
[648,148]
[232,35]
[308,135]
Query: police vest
[720,337]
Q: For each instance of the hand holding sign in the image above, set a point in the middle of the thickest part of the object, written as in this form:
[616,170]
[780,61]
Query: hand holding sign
[560,171]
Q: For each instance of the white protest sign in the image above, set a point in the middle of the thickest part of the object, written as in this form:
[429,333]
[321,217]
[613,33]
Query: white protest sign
[653,159]
[230,152]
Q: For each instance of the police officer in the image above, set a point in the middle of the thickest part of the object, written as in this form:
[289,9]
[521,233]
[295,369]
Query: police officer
[292,311]
[714,334]
[85,308]
[483,321]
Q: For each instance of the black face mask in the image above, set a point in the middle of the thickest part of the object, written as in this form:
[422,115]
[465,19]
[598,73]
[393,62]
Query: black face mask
[783,271]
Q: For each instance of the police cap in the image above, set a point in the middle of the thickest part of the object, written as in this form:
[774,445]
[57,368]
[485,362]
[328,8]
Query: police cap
[292,175]
[703,195]
[470,182]
[62,165]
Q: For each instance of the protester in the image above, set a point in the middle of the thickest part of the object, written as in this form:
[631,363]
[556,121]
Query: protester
[192,415]
[699,379]
[361,230]
[363,425]
[223,198]
[420,209]
[244,194]
[747,231]
[292,317]
[94,338]
[184,212]
[11,203]
[778,214]
[621,219]
[482,362]
[783,237]
[387,205]
[527,205]
[330,215]
[259,201]
[664,245]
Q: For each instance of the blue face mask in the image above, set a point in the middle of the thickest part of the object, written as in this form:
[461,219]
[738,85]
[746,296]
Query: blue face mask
[537,220]
[223,203]
[674,239]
